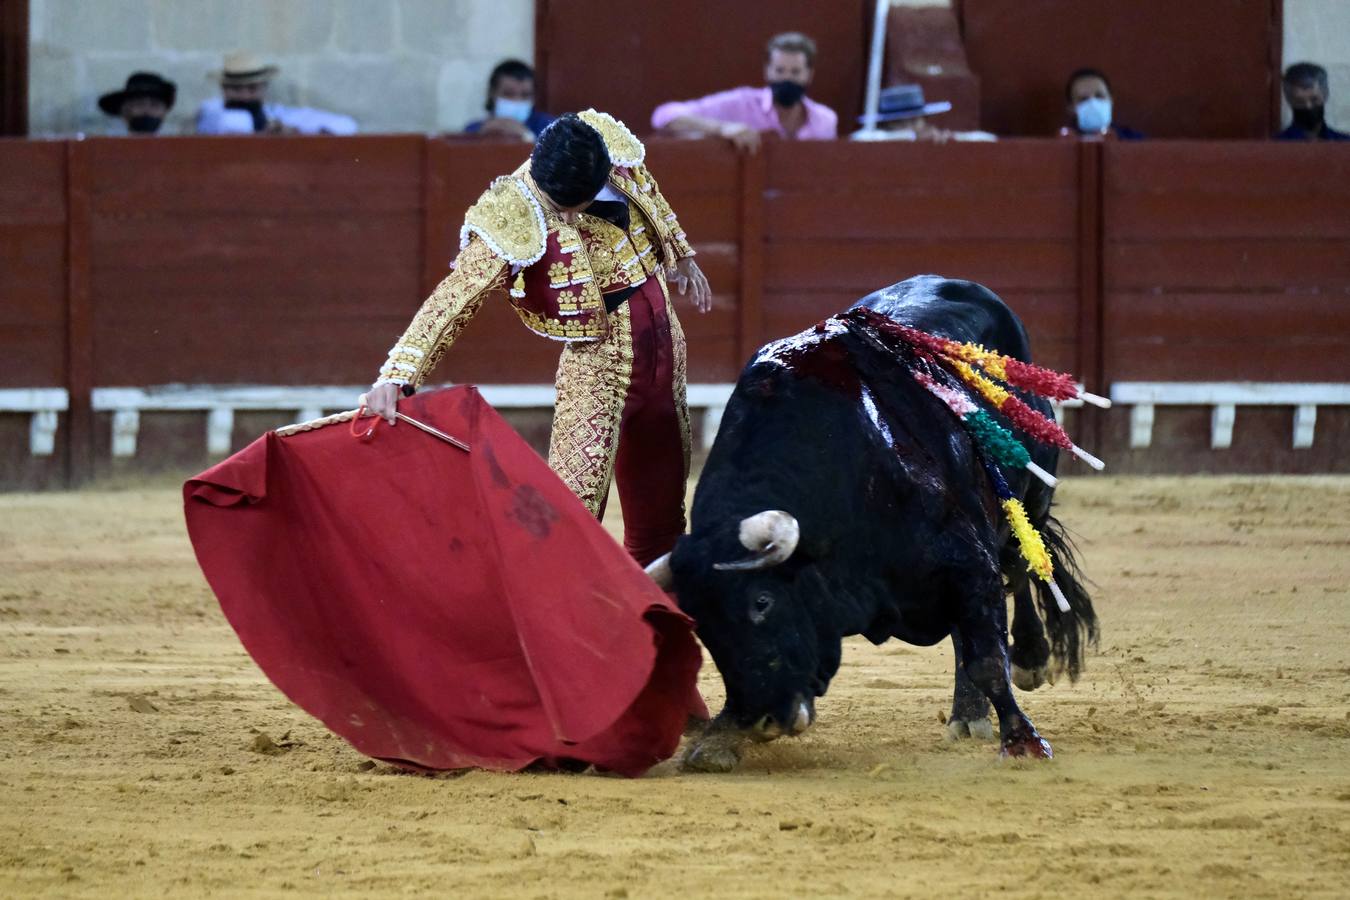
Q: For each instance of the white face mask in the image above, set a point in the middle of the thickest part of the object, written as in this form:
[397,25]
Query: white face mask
[1094,115]
[505,108]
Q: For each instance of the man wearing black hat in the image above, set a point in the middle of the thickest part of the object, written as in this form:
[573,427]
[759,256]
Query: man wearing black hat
[142,104]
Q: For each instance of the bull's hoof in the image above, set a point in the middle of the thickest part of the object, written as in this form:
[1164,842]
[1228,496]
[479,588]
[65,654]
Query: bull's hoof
[1032,746]
[980,729]
[1030,679]
[714,753]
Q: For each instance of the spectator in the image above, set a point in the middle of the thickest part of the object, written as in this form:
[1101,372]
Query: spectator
[510,104]
[242,108]
[741,114]
[142,104]
[902,115]
[1090,108]
[1306,90]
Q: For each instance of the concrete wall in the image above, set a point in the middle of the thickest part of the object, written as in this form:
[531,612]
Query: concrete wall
[1319,31]
[396,65]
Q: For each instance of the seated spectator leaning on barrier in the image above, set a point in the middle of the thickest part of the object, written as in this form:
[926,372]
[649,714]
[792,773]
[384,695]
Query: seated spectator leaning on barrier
[1306,90]
[142,104]
[902,115]
[741,114]
[1090,108]
[242,108]
[510,104]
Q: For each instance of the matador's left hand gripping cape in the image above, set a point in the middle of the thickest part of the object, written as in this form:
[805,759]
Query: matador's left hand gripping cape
[558,273]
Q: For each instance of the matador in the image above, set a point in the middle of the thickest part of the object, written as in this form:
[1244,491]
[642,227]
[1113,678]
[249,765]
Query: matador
[583,240]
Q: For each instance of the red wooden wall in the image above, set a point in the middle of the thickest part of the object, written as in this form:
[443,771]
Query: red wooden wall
[33,232]
[299,261]
[32,264]
[1226,262]
[274,262]
[1199,69]
[626,58]
[842,220]
[1222,263]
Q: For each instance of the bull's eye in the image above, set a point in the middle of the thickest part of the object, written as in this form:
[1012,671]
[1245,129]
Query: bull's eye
[760,607]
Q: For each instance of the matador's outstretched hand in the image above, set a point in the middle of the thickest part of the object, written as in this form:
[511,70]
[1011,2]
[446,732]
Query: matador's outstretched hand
[688,275]
[382,401]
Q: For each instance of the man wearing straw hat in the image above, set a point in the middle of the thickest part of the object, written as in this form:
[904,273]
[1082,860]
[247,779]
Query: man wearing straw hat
[242,108]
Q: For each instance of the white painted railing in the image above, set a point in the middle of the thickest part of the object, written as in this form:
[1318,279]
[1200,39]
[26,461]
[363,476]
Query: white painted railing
[44,405]
[1224,397]
[221,402]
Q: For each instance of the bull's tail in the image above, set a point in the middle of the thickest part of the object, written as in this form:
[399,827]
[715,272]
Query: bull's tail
[1070,632]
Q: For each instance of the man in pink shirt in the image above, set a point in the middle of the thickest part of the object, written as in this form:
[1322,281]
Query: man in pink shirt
[741,114]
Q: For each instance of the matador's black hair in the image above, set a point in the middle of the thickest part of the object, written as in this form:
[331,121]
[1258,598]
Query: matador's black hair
[569,162]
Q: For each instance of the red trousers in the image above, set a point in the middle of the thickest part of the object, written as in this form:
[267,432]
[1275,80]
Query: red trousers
[622,412]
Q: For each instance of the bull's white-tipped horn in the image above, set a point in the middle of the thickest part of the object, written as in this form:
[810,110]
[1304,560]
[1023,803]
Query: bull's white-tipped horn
[660,572]
[771,536]
[771,528]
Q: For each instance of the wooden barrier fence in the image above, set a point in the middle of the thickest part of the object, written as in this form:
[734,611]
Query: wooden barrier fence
[289,262]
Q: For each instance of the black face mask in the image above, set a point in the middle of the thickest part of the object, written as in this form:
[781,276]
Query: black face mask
[787,93]
[144,124]
[1309,118]
[254,108]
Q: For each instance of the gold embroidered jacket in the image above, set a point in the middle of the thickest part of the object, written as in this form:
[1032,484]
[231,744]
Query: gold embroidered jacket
[558,272]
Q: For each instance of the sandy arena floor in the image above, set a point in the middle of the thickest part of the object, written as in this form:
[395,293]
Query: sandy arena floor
[1205,753]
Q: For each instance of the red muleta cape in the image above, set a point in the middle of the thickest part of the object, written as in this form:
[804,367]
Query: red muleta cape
[441,609]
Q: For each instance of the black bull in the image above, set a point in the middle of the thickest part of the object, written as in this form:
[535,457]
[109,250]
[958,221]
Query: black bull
[889,523]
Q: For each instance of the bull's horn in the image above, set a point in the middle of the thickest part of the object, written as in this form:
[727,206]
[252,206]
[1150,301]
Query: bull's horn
[771,536]
[659,570]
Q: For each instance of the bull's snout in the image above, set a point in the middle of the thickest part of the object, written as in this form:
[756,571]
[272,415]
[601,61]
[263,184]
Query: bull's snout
[768,727]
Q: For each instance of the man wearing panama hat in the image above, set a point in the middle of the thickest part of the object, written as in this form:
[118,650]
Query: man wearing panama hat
[242,106]
[142,104]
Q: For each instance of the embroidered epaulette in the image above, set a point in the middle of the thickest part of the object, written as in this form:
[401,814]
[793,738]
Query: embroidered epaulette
[624,148]
[509,220]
